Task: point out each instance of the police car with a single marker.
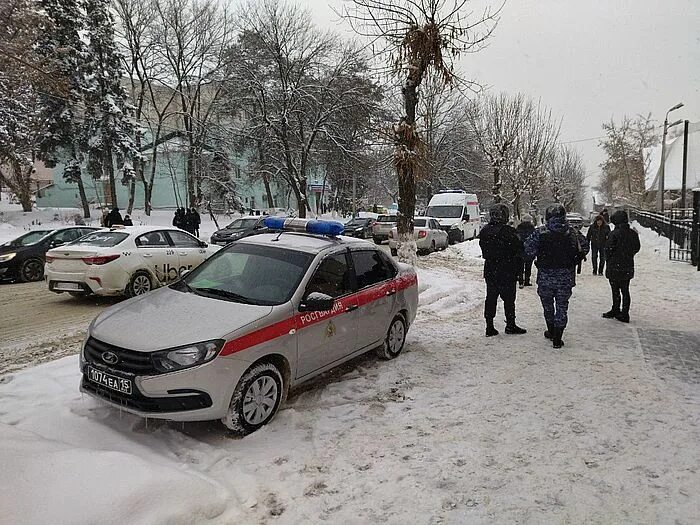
(128, 260)
(267, 312)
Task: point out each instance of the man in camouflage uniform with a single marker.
(556, 249)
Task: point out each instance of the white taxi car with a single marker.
(428, 234)
(265, 313)
(129, 260)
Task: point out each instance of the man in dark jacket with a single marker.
(622, 246)
(114, 218)
(503, 254)
(597, 236)
(196, 221)
(556, 250)
(524, 230)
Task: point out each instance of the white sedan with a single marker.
(129, 260)
(428, 234)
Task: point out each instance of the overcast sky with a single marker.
(588, 60)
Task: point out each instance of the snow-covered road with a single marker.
(459, 429)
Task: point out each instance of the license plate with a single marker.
(118, 384)
(67, 286)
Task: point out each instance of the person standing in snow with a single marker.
(503, 254)
(556, 250)
(179, 219)
(623, 244)
(196, 221)
(524, 230)
(114, 218)
(128, 221)
(597, 236)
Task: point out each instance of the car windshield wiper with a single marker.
(218, 292)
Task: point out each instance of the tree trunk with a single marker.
(109, 164)
(132, 196)
(496, 184)
(83, 198)
(147, 190)
(268, 191)
(190, 177)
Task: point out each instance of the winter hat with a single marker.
(619, 217)
(526, 218)
(498, 214)
(555, 210)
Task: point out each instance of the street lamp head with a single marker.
(679, 121)
(677, 106)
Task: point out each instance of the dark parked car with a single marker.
(243, 227)
(360, 228)
(22, 259)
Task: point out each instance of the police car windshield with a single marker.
(444, 212)
(249, 274)
(101, 239)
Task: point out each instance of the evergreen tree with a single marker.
(108, 131)
(60, 47)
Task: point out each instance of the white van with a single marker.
(457, 212)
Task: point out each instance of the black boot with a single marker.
(612, 314)
(514, 329)
(623, 317)
(556, 337)
(490, 330)
(549, 331)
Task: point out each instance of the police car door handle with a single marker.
(148, 255)
(182, 253)
(351, 308)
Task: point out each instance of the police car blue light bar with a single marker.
(331, 228)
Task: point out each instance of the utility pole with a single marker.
(685, 163)
(662, 170)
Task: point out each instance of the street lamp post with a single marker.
(662, 170)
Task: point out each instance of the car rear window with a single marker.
(420, 223)
(387, 218)
(101, 239)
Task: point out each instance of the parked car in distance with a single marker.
(428, 234)
(22, 259)
(359, 227)
(457, 212)
(130, 260)
(575, 220)
(381, 228)
(238, 229)
(276, 311)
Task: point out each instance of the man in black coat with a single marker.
(622, 246)
(597, 236)
(114, 218)
(524, 230)
(503, 254)
(196, 221)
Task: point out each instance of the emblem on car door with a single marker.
(110, 358)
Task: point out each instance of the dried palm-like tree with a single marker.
(419, 38)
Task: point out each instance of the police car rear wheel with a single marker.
(256, 399)
(140, 284)
(395, 339)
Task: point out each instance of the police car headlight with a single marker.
(186, 356)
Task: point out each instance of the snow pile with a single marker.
(652, 242)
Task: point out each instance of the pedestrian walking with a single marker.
(502, 250)
(524, 230)
(189, 221)
(620, 249)
(597, 236)
(556, 250)
(196, 221)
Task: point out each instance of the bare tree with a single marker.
(566, 175)
(300, 83)
(193, 39)
(422, 38)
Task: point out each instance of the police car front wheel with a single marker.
(256, 399)
(395, 339)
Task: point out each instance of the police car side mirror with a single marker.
(316, 302)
